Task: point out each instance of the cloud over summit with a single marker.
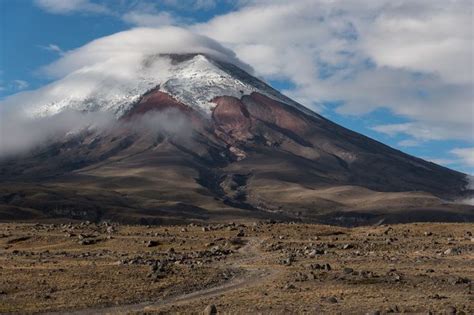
(113, 65)
(116, 69)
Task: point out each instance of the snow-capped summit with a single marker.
(194, 81)
(110, 73)
(195, 132)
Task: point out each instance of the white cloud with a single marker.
(21, 134)
(150, 19)
(148, 14)
(459, 156)
(409, 143)
(130, 47)
(113, 67)
(413, 57)
(465, 154)
(53, 48)
(422, 131)
(424, 36)
(191, 4)
(137, 13)
(71, 6)
(439, 161)
(20, 85)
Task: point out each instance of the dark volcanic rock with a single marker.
(257, 151)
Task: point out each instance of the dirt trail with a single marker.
(250, 254)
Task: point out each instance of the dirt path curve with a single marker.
(250, 254)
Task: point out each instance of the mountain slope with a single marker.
(206, 140)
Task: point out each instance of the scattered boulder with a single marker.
(458, 280)
(287, 261)
(437, 297)
(348, 270)
(289, 286)
(152, 243)
(87, 241)
(452, 251)
(313, 253)
(301, 277)
(326, 267)
(211, 309)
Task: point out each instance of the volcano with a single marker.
(209, 141)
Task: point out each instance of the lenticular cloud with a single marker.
(114, 67)
(103, 76)
(136, 43)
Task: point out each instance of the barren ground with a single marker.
(241, 268)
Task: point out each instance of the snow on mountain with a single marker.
(194, 82)
(112, 73)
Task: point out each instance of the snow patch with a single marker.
(194, 82)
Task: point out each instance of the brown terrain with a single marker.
(244, 268)
(151, 200)
(252, 157)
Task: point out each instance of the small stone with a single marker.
(387, 231)
(450, 310)
(394, 309)
(428, 233)
(347, 246)
(211, 309)
(87, 242)
(332, 299)
(458, 280)
(397, 277)
(289, 286)
(241, 233)
(451, 251)
(152, 243)
(348, 270)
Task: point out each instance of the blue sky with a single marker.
(351, 65)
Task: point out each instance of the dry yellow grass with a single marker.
(241, 268)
